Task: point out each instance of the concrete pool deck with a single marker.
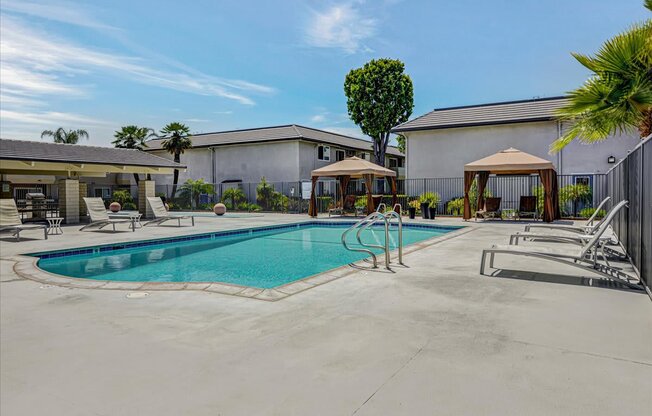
(432, 338)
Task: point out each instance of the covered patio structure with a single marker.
(352, 168)
(513, 162)
(65, 164)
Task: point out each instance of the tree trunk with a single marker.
(380, 149)
(177, 159)
(136, 178)
(646, 125)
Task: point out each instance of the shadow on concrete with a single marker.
(564, 279)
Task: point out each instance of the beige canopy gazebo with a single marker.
(344, 170)
(513, 162)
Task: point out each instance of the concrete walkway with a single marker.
(432, 338)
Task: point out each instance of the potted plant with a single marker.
(412, 208)
(432, 208)
(360, 204)
(424, 203)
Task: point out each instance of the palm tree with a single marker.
(618, 97)
(177, 140)
(191, 191)
(61, 135)
(132, 137)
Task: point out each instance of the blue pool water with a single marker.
(263, 258)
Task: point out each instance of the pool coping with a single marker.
(26, 267)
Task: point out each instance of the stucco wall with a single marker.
(247, 163)
(443, 153)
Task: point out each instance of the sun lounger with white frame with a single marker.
(162, 215)
(100, 218)
(10, 220)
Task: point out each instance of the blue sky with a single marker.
(221, 65)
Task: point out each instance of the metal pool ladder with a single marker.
(368, 221)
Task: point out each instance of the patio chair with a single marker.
(584, 257)
(10, 220)
(349, 206)
(100, 218)
(527, 207)
(589, 228)
(491, 209)
(162, 215)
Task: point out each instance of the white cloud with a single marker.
(197, 120)
(48, 118)
(318, 118)
(37, 63)
(223, 112)
(62, 12)
(342, 27)
(347, 131)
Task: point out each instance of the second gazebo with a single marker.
(513, 162)
(344, 171)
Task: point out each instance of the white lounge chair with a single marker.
(162, 215)
(100, 218)
(10, 220)
(584, 256)
(589, 228)
(560, 235)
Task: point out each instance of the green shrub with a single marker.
(232, 197)
(455, 206)
(123, 197)
(190, 191)
(430, 198)
(129, 206)
(473, 195)
(270, 199)
(587, 212)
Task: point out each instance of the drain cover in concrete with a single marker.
(137, 295)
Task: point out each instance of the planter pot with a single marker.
(412, 212)
(424, 211)
(115, 207)
(432, 211)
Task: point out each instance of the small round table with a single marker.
(54, 225)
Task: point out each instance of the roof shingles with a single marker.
(73, 153)
(486, 114)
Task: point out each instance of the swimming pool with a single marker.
(264, 257)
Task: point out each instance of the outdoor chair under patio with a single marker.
(349, 206)
(100, 218)
(10, 220)
(527, 207)
(589, 228)
(584, 257)
(491, 209)
(162, 215)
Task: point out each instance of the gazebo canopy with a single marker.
(344, 170)
(510, 161)
(353, 167)
(513, 162)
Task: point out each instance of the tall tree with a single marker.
(378, 97)
(64, 136)
(132, 137)
(618, 96)
(177, 141)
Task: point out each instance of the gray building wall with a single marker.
(443, 153)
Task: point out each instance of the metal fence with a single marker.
(631, 179)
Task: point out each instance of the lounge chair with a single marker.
(491, 209)
(527, 207)
(162, 215)
(349, 206)
(100, 218)
(574, 238)
(10, 220)
(584, 257)
(589, 228)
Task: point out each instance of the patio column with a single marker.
(69, 200)
(83, 192)
(145, 189)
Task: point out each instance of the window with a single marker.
(400, 162)
(393, 163)
(103, 192)
(339, 155)
(350, 153)
(365, 156)
(324, 153)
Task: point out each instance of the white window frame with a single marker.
(326, 153)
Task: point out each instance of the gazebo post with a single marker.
(483, 178)
(312, 208)
(368, 180)
(469, 176)
(392, 180)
